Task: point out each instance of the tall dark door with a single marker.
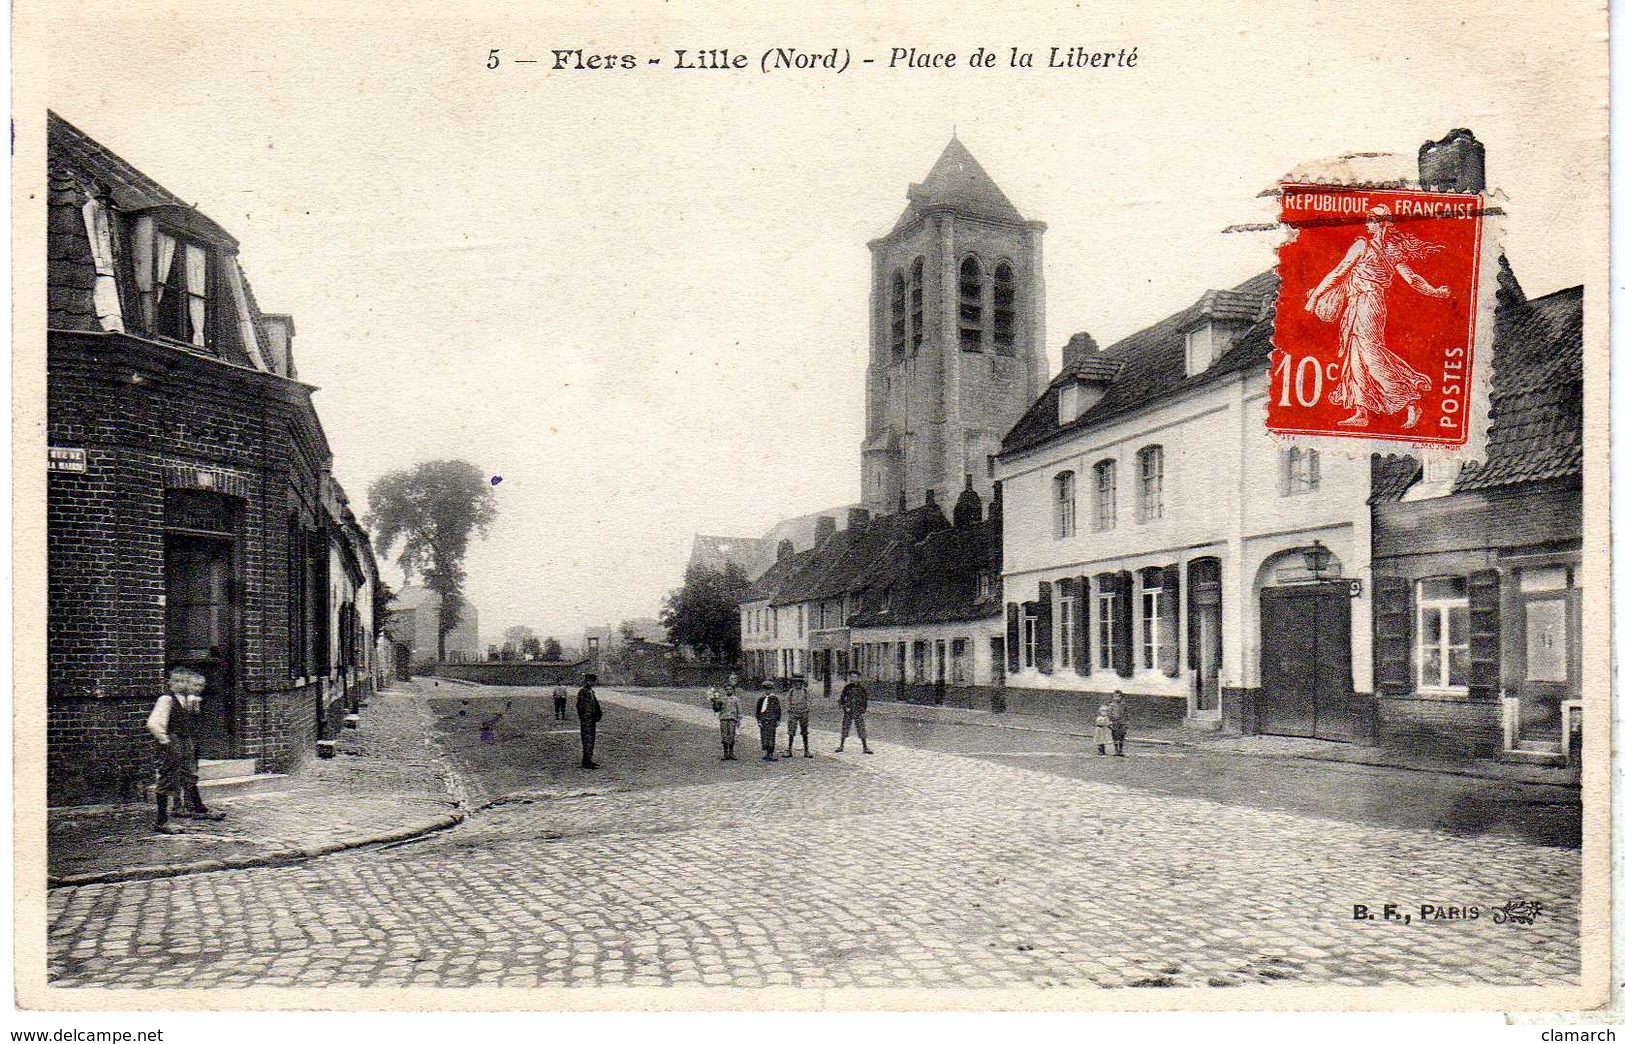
(200, 629)
(1308, 677)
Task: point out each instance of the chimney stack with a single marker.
(902, 502)
(825, 529)
(857, 519)
(995, 510)
(1079, 346)
(786, 549)
(1455, 163)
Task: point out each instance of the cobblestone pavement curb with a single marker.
(1277, 747)
(389, 783)
(909, 868)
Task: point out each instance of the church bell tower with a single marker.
(956, 336)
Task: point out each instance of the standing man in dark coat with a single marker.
(854, 705)
(768, 713)
(588, 713)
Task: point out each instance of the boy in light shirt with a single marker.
(175, 722)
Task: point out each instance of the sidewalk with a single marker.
(388, 782)
(1245, 746)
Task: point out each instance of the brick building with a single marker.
(1477, 571)
(193, 517)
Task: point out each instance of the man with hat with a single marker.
(768, 713)
(854, 705)
(588, 713)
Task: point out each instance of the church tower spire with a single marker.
(956, 334)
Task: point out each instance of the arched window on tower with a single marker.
(1004, 308)
(916, 303)
(897, 329)
(970, 305)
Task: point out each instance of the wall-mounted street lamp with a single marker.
(1317, 558)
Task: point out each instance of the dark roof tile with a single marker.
(1536, 402)
(1153, 364)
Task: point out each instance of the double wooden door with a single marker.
(1308, 676)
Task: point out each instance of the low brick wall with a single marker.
(497, 673)
(672, 675)
(1455, 728)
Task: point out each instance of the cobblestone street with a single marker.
(908, 868)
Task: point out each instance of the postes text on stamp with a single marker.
(1377, 324)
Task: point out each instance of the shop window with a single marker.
(1442, 633)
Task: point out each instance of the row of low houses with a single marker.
(192, 513)
(1147, 534)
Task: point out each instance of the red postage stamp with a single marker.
(1377, 324)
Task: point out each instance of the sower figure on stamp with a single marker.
(767, 719)
(726, 704)
(588, 714)
(798, 708)
(854, 705)
(1355, 293)
(175, 722)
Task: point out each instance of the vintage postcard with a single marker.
(929, 506)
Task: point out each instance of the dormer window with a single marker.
(1198, 349)
(1068, 404)
(970, 305)
(180, 294)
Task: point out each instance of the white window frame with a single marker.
(1066, 504)
(1105, 495)
(1106, 625)
(1066, 621)
(1149, 482)
(1150, 625)
(1302, 470)
(1029, 636)
(1442, 606)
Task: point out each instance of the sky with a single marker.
(641, 297)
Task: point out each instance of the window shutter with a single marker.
(1169, 646)
(1083, 641)
(1392, 621)
(1125, 624)
(1046, 628)
(1012, 637)
(1193, 630)
(1484, 629)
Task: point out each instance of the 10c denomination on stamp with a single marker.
(1377, 326)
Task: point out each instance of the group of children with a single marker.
(796, 706)
(1111, 723)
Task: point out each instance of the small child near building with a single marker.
(1102, 730)
(175, 722)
